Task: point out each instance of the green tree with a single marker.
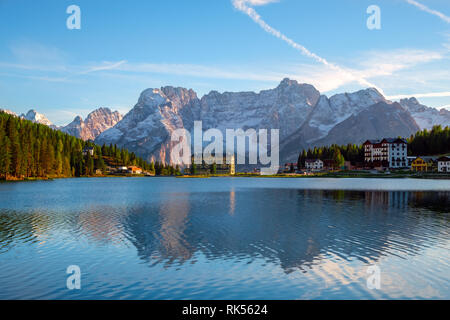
(193, 168)
(59, 158)
(5, 157)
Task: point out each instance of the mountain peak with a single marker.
(410, 101)
(96, 122)
(36, 117)
(286, 82)
(152, 97)
(426, 117)
(77, 120)
(375, 91)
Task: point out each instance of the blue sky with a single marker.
(124, 47)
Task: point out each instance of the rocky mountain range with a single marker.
(304, 117)
(426, 117)
(95, 123)
(147, 128)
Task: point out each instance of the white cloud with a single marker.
(422, 7)
(386, 63)
(40, 78)
(384, 66)
(381, 65)
(259, 2)
(421, 95)
(201, 71)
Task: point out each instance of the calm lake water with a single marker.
(225, 238)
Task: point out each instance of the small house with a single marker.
(122, 169)
(134, 170)
(290, 167)
(423, 164)
(443, 164)
(329, 165)
(88, 150)
(314, 164)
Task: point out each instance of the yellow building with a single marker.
(421, 165)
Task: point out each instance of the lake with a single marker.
(225, 238)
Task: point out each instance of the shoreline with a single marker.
(433, 176)
(334, 176)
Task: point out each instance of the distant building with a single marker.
(353, 165)
(329, 164)
(423, 164)
(134, 170)
(111, 169)
(390, 153)
(88, 150)
(122, 169)
(290, 167)
(410, 160)
(443, 164)
(207, 166)
(419, 165)
(314, 164)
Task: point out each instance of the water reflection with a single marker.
(350, 224)
(295, 230)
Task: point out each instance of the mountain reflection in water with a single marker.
(327, 235)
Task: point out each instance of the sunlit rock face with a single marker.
(95, 123)
(304, 117)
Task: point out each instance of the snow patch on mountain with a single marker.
(36, 117)
(426, 117)
(8, 112)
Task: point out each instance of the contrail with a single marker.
(107, 66)
(431, 11)
(241, 5)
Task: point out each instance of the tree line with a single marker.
(31, 150)
(424, 143)
(339, 154)
(430, 142)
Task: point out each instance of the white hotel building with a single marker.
(390, 153)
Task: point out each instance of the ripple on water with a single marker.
(222, 239)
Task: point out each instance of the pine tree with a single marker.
(5, 157)
(59, 158)
(152, 167)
